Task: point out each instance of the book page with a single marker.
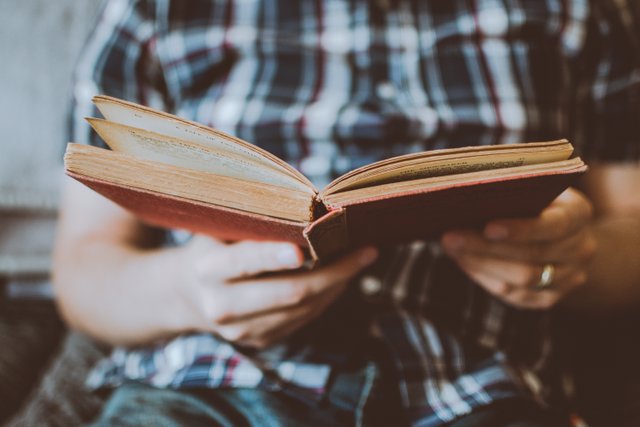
(141, 117)
(154, 147)
(450, 162)
(336, 200)
(126, 171)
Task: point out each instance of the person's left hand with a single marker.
(509, 256)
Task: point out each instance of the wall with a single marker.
(39, 44)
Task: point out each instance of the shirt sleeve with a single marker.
(610, 124)
(117, 60)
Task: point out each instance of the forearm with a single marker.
(614, 271)
(118, 294)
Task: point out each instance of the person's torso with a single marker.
(332, 85)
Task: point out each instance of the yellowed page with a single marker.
(359, 194)
(152, 146)
(141, 117)
(445, 162)
(124, 170)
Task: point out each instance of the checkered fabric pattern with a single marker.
(330, 85)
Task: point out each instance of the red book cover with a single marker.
(174, 173)
(379, 220)
(174, 212)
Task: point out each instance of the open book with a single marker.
(175, 173)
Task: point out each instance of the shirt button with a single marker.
(370, 286)
(386, 90)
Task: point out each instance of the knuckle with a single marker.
(200, 308)
(579, 279)
(260, 343)
(563, 223)
(542, 304)
(233, 334)
(227, 261)
(502, 288)
(238, 267)
(221, 317)
(279, 255)
(525, 300)
(548, 302)
(589, 248)
(530, 275)
(205, 268)
(521, 299)
(296, 293)
(534, 275)
(530, 300)
(517, 300)
(220, 314)
(543, 300)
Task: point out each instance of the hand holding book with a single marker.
(175, 173)
(231, 297)
(510, 256)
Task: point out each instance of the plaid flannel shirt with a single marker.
(330, 85)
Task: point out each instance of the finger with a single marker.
(247, 258)
(497, 287)
(252, 297)
(200, 243)
(515, 273)
(519, 298)
(250, 331)
(577, 248)
(342, 269)
(563, 217)
(532, 300)
(266, 328)
(522, 296)
(292, 325)
(547, 298)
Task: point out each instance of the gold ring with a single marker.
(546, 277)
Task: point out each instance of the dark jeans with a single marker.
(354, 399)
(59, 398)
(31, 333)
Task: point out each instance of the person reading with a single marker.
(452, 331)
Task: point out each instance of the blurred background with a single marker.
(39, 43)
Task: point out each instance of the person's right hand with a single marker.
(226, 298)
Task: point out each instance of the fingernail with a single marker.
(368, 255)
(288, 256)
(496, 232)
(453, 241)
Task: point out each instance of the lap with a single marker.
(60, 398)
(353, 398)
(140, 405)
(360, 396)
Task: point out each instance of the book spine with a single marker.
(318, 208)
(328, 235)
